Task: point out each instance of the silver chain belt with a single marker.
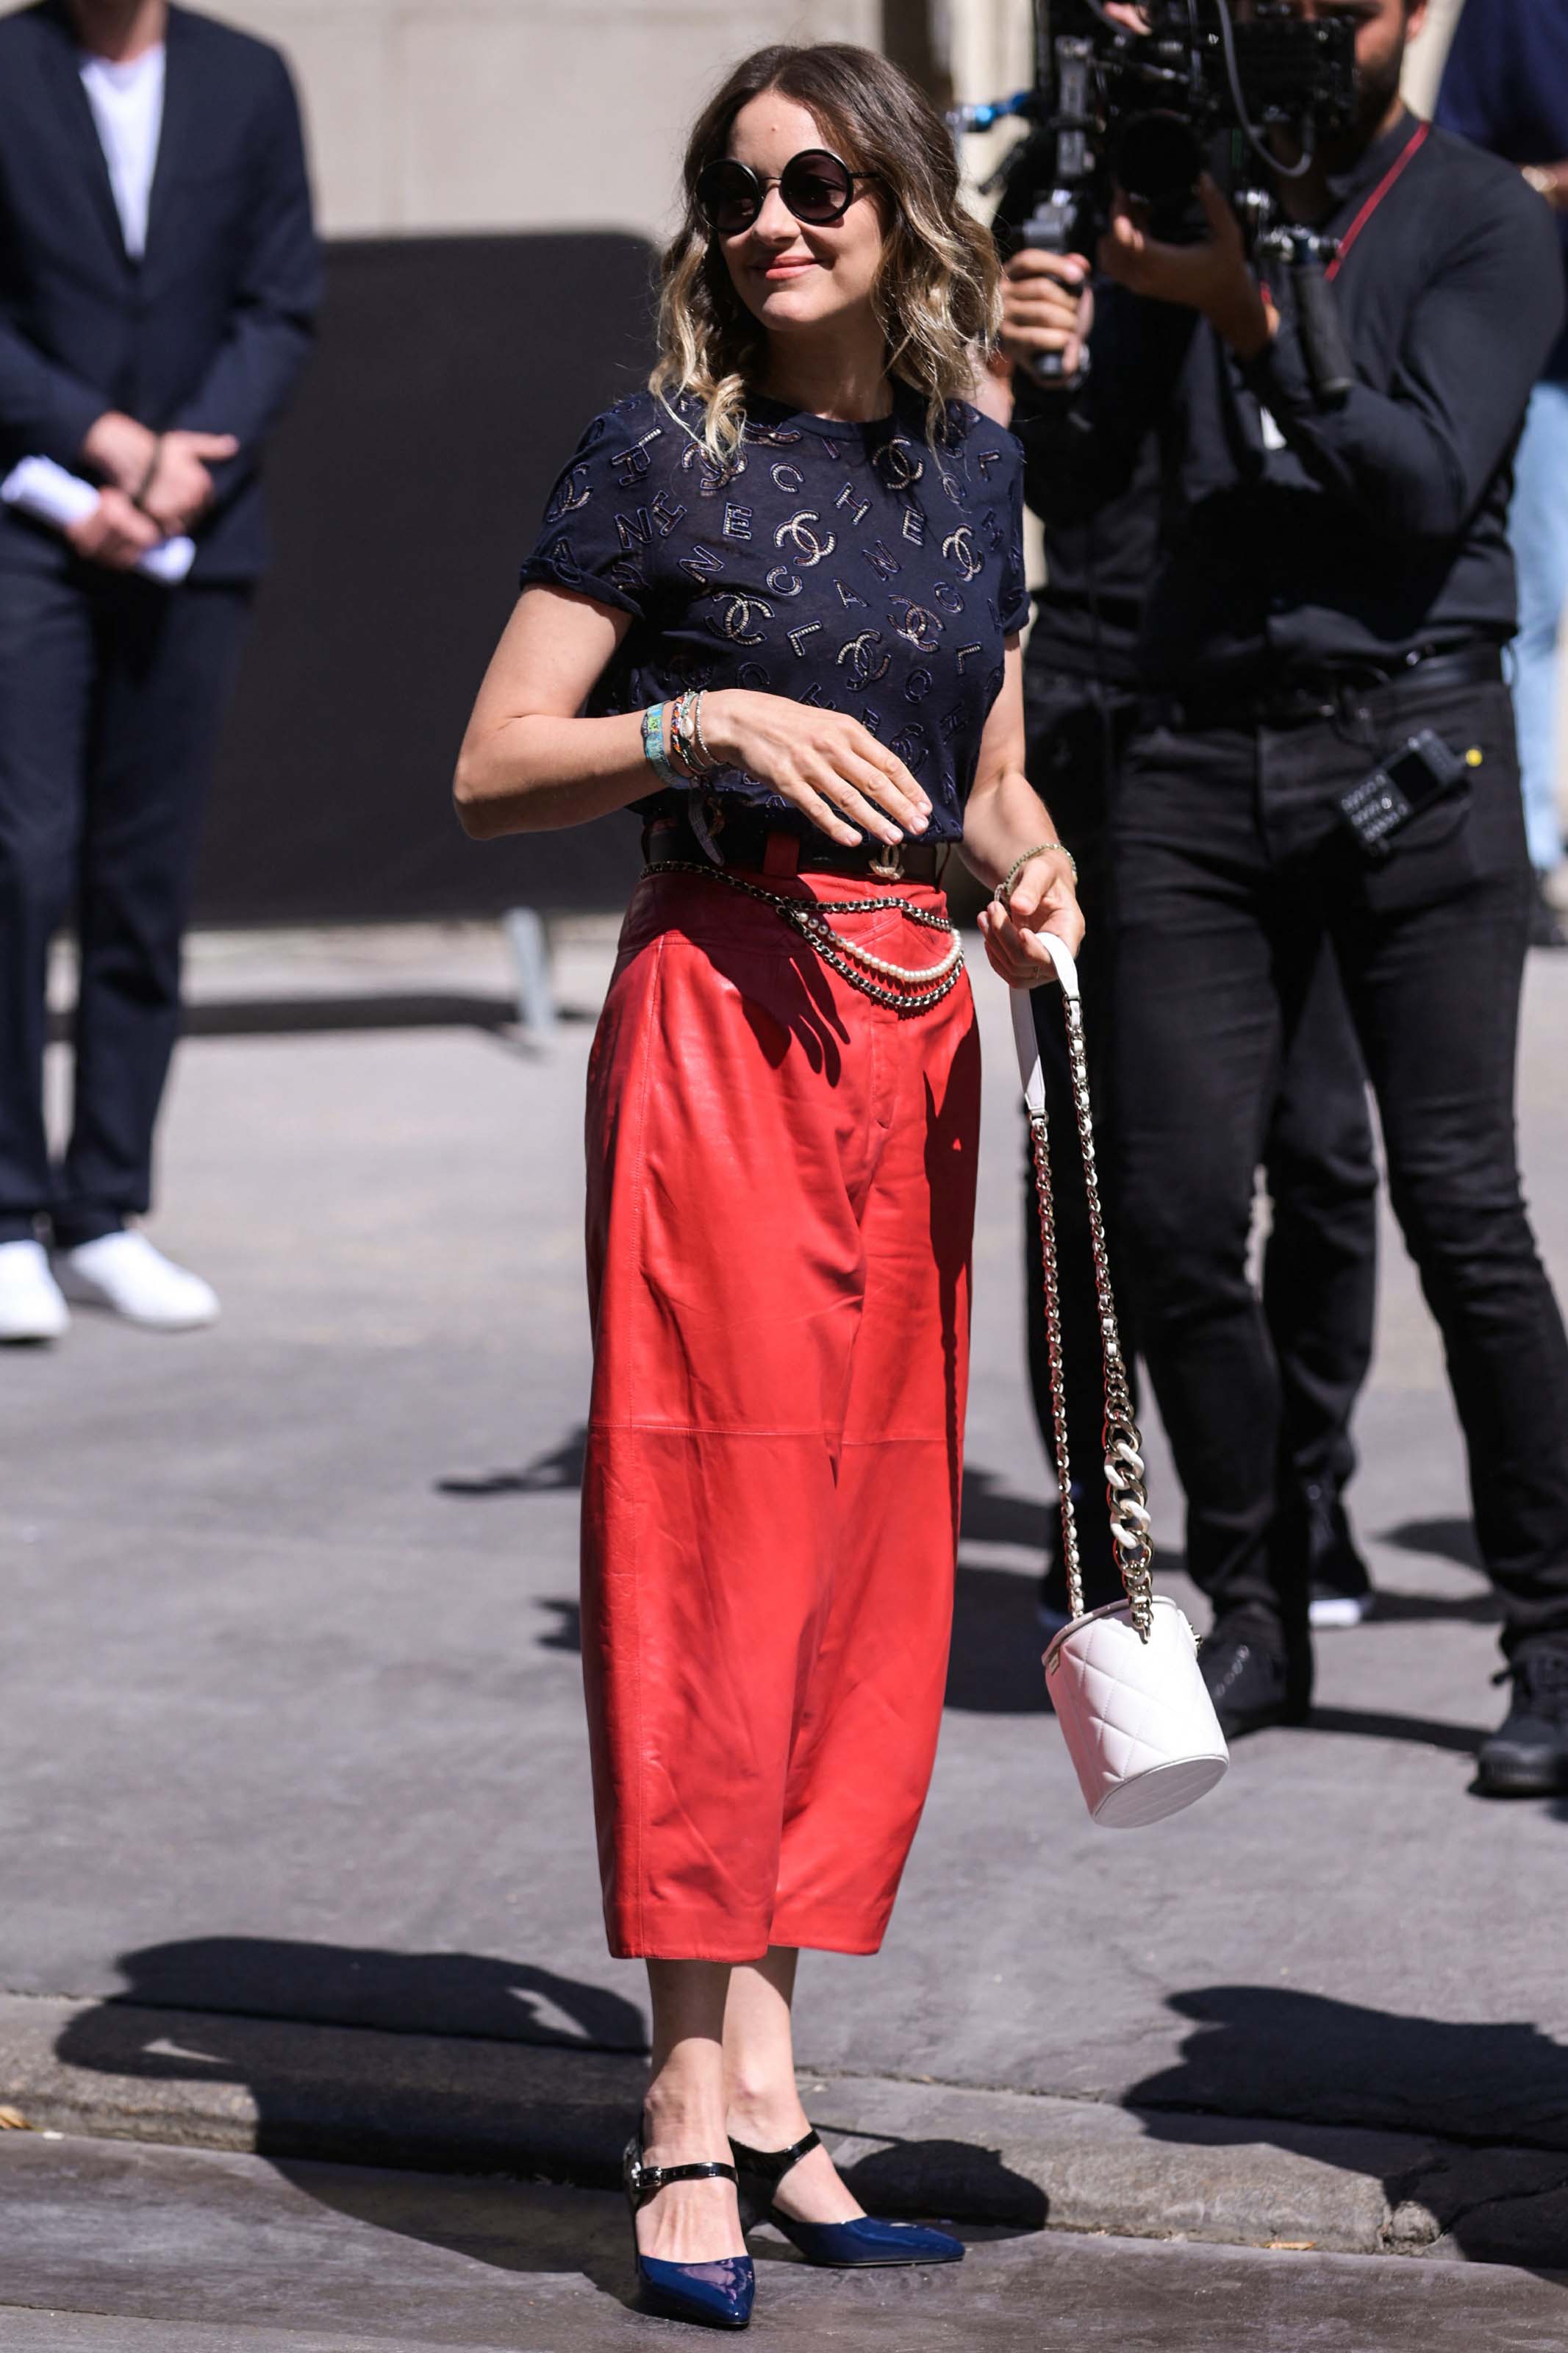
(917, 989)
(1126, 1486)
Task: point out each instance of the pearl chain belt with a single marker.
(916, 988)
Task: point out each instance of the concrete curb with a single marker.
(278, 2087)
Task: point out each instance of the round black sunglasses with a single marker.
(816, 186)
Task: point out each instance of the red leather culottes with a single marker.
(781, 1203)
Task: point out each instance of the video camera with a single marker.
(1142, 111)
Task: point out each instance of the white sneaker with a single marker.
(124, 1271)
(32, 1305)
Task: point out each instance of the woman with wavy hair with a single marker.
(774, 608)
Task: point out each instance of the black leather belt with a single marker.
(1323, 696)
(757, 841)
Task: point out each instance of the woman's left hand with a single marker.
(1041, 900)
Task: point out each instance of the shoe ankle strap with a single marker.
(645, 2182)
(772, 2165)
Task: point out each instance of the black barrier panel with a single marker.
(452, 379)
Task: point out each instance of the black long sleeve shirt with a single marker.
(1380, 524)
(1088, 612)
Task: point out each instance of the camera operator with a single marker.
(1319, 1270)
(1334, 580)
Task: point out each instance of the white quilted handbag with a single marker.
(1134, 1707)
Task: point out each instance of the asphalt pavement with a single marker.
(294, 1817)
(118, 2250)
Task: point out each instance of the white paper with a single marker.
(39, 488)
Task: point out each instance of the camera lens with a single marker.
(1157, 159)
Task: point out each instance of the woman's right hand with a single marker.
(823, 763)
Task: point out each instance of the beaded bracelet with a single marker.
(1016, 868)
(654, 752)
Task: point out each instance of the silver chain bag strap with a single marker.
(1124, 1681)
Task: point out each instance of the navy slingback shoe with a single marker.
(846, 2246)
(715, 2295)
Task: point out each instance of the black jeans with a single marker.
(112, 688)
(1319, 1287)
(1233, 869)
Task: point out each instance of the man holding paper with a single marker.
(159, 276)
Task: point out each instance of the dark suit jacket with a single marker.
(210, 329)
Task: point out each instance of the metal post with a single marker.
(529, 943)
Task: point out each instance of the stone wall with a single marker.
(431, 115)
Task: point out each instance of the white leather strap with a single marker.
(1028, 1045)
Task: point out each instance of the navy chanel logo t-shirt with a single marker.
(854, 567)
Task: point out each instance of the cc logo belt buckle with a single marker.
(888, 863)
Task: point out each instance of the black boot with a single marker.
(1338, 1579)
(1527, 1755)
(1255, 1675)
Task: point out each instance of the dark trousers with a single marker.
(1319, 1281)
(1233, 871)
(112, 688)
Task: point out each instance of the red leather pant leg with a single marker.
(766, 1154)
(866, 1732)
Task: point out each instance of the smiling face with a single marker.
(797, 279)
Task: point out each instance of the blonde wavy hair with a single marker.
(937, 293)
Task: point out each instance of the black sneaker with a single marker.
(1250, 1679)
(1527, 1755)
(1340, 1585)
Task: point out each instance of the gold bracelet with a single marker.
(1016, 868)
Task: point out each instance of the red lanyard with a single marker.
(1417, 138)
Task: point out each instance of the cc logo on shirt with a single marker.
(864, 670)
(897, 465)
(572, 491)
(958, 548)
(798, 534)
(920, 627)
(736, 619)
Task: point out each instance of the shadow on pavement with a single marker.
(1262, 2057)
(994, 1667)
(513, 2226)
(989, 1513)
(1424, 1609)
(1375, 1723)
(342, 1985)
(1448, 1539)
(559, 1471)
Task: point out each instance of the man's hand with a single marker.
(1046, 306)
(115, 533)
(181, 487)
(1210, 277)
(119, 449)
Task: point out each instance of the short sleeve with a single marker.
(1013, 601)
(588, 541)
